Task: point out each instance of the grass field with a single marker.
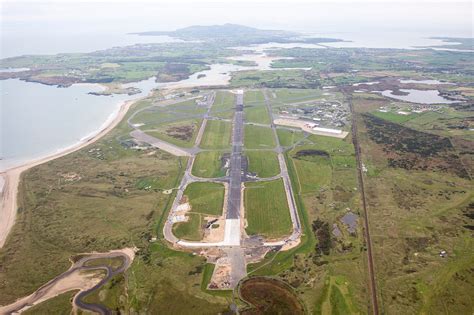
(337, 298)
(313, 175)
(187, 106)
(394, 117)
(109, 294)
(289, 137)
(254, 98)
(296, 95)
(257, 114)
(224, 100)
(153, 116)
(205, 198)
(156, 116)
(256, 137)
(318, 171)
(263, 163)
(273, 78)
(61, 305)
(190, 230)
(181, 133)
(224, 104)
(216, 135)
(266, 209)
(208, 164)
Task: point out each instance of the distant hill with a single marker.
(234, 34)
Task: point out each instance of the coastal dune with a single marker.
(11, 177)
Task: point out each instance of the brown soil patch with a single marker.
(269, 296)
(184, 133)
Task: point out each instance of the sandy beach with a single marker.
(11, 177)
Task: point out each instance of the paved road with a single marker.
(296, 234)
(235, 165)
(77, 266)
(160, 144)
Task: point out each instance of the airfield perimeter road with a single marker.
(296, 234)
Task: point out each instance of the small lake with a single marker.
(419, 96)
(39, 120)
(350, 219)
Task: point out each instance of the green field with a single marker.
(336, 298)
(257, 114)
(316, 172)
(61, 305)
(256, 137)
(190, 230)
(333, 145)
(254, 98)
(394, 117)
(266, 209)
(181, 133)
(224, 101)
(187, 107)
(263, 163)
(296, 95)
(208, 164)
(224, 104)
(154, 116)
(216, 135)
(289, 137)
(205, 198)
(274, 78)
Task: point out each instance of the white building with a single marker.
(327, 130)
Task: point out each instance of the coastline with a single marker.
(12, 176)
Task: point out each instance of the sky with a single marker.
(38, 26)
(314, 15)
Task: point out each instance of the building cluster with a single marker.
(402, 109)
(325, 114)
